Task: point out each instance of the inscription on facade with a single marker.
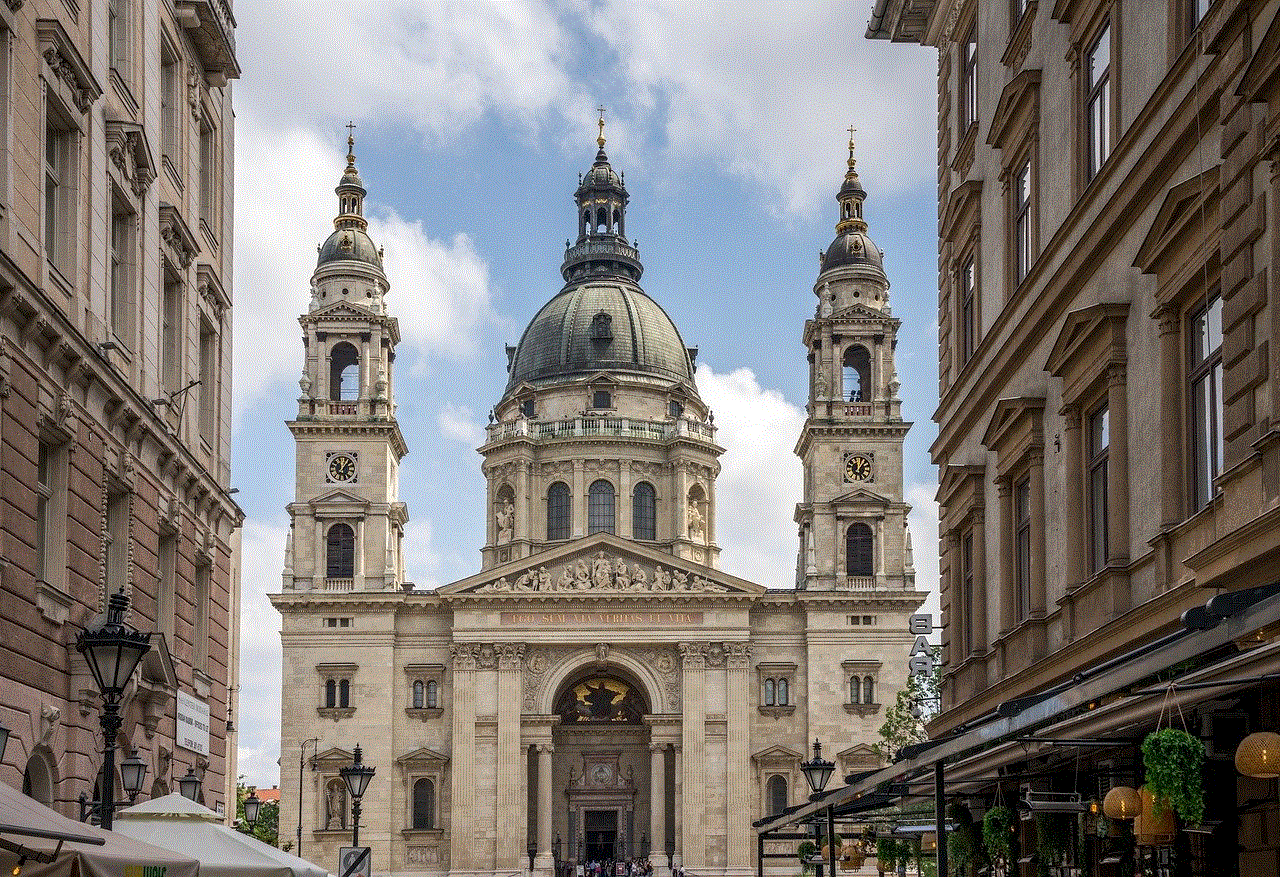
(570, 619)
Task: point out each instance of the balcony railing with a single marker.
(339, 584)
(860, 583)
(613, 427)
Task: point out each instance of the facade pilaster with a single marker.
(462, 814)
(657, 807)
(544, 861)
(677, 818)
(510, 812)
(1171, 469)
(1073, 516)
(737, 768)
(693, 741)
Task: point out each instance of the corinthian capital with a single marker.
(464, 655)
(694, 655)
(510, 656)
(739, 655)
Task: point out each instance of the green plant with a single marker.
(806, 851)
(1174, 762)
(964, 841)
(888, 852)
(1052, 838)
(997, 833)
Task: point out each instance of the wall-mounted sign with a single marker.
(921, 657)
(193, 724)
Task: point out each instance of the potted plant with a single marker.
(888, 852)
(997, 835)
(1052, 830)
(964, 841)
(1174, 761)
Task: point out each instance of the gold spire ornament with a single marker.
(852, 161)
(351, 144)
(600, 139)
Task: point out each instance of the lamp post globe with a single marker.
(252, 809)
(817, 771)
(189, 785)
(112, 648)
(357, 776)
(133, 773)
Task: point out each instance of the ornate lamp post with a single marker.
(357, 776)
(112, 648)
(817, 771)
(252, 809)
(189, 785)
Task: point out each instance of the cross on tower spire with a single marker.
(351, 143)
(600, 139)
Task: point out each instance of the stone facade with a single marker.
(600, 687)
(115, 381)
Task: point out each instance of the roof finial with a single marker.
(852, 160)
(351, 144)
(600, 139)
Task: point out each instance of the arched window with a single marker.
(782, 692)
(857, 374)
(38, 777)
(868, 690)
(558, 511)
(344, 693)
(418, 692)
(857, 551)
(330, 693)
(424, 804)
(644, 503)
(340, 552)
(344, 372)
(433, 694)
(335, 804)
(770, 695)
(601, 515)
(777, 794)
(602, 220)
(855, 690)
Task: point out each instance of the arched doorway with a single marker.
(602, 766)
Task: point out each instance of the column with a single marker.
(1073, 516)
(681, 504)
(1171, 459)
(512, 821)
(462, 814)
(693, 742)
(978, 617)
(1037, 642)
(657, 808)
(677, 803)
(1118, 486)
(624, 499)
(544, 860)
(578, 503)
(524, 502)
(319, 558)
(737, 767)
(1008, 599)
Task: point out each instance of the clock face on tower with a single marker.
(857, 467)
(342, 467)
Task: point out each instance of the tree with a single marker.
(916, 705)
(267, 827)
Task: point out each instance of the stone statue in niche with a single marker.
(506, 517)
(696, 520)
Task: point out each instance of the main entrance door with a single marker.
(601, 828)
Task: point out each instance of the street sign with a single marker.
(354, 862)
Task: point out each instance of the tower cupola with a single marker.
(602, 249)
(350, 239)
(852, 246)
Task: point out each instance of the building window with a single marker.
(868, 689)
(967, 606)
(44, 493)
(170, 111)
(968, 309)
(424, 804)
(165, 598)
(208, 382)
(171, 335)
(119, 37)
(527, 408)
(208, 175)
(675, 410)
(776, 681)
(858, 551)
(777, 794)
(419, 694)
(122, 311)
(1097, 100)
(1022, 546)
(600, 508)
(601, 399)
(1099, 451)
(776, 692)
(201, 597)
(59, 188)
(558, 509)
(117, 539)
(1018, 9)
(344, 372)
(337, 693)
(340, 552)
(644, 503)
(857, 374)
(770, 693)
(968, 90)
(855, 689)
(1022, 238)
(784, 696)
(1204, 379)
(433, 694)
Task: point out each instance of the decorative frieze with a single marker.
(603, 572)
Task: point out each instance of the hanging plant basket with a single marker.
(997, 834)
(1174, 763)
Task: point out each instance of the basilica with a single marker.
(599, 688)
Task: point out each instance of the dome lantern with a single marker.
(350, 241)
(852, 246)
(602, 249)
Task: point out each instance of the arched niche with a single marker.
(584, 664)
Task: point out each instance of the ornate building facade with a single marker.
(599, 688)
(116, 145)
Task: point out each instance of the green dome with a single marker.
(349, 244)
(600, 325)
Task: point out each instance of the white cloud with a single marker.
(459, 422)
(760, 478)
(924, 539)
(262, 559)
(423, 560)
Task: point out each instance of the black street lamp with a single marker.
(252, 809)
(357, 776)
(533, 853)
(817, 771)
(555, 846)
(302, 752)
(112, 648)
(189, 785)
(133, 773)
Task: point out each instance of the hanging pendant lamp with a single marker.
(1258, 755)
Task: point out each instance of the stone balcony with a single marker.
(603, 426)
(212, 29)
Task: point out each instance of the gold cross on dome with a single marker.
(600, 139)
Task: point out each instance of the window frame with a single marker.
(861, 680)
(335, 681)
(1098, 92)
(339, 555)
(602, 504)
(1098, 453)
(967, 84)
(431, 678)
(967, 280)
(782, 675)
(1021, 538)
(61, 169)
(559, 511)
(644, 512)
(1204, 464)
(1022, 224)
(866, 546)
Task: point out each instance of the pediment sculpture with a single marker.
(602, 572)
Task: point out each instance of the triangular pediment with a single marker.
(334, 755)
(422, 756)
(601, 564)
(777, 755)
(338, 496)
(1185, 207)
(858, 311)
(861, 496)
(341, 310)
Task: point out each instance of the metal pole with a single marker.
(817, 839)
(940, 816)
(355, 822)
(302, 752)
(831, 840)
(110, 728)
(759, 855)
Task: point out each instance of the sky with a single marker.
(473, 121)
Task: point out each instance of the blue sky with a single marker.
(473, 123)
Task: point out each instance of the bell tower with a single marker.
(347, 522)
(852, 522)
